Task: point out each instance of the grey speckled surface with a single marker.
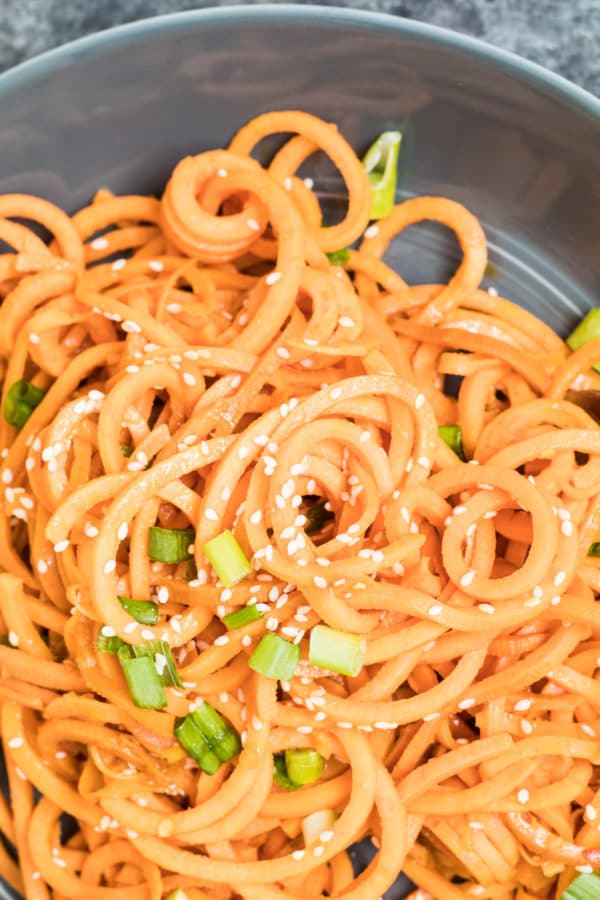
(563, 35)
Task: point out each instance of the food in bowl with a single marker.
(295, 553)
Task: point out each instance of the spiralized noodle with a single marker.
(250, 377)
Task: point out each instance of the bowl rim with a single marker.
(519, 67)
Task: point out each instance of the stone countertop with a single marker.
(563, 35)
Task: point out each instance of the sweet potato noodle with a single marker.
(205, 365)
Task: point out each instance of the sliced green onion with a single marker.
(105, 644)
(243, 616)
(315, 824)
(317, 516)
(381, 165)
(162, 658)
(452, 435)
(170, 545)
(195, 746)
(275, 657)
(585, 887)
(304, 765)
(587, 330)
(127, 450)
(338, 651)
(339, 257)
(21, 400)
(143, 611)
(227, 558)
(142, 679)
(280, 775)
(208, 738)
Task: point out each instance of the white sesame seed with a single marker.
(273, 278)
(155, 265)
(346, 322)
(90, 530)
(147, 634)
(424, 462)
(61, 546)
(211, 515)
(16, 742)
(13, 639)
(335, 393)
(372, 231)
(319, 581)
(467, 703)
(42, 566)
(118, 265)
(435, 610)
(130, 627)
(522, 705)
(431, 717)
(34, 338)
(109, 566)
(122, 531)
(298, 854)
(7, 476)
(419, 401)
(487, 608)
(526, 727)
(107, 631)
(246, 640)
(559, 578)
(189, 379)
(221, 640)
(253, 225)
(523, 795)
(591, 813)
(587, 729)
(567, 528)
(131, 327)
(318, 850)
(467, 578)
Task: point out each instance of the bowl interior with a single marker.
(515, 144)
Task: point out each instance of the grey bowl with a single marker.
(518, 145)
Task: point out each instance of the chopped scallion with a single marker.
(160, 653)
(280, 775)
(452, 435)
(584, 887)
(21, 400)
(381, 164)
(274, 657)
(227, 558)
(243, 616)
(208, 738)
(338, 257)
(142, 679)
(304, 765)
(105, 644)
(587, 330)
(338, 651)
(143, 611)
(170, 545)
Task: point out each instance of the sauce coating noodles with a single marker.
(203, 364)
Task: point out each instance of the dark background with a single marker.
(563, 35)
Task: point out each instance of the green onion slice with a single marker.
(208, 738)
(274, 657)
(227, 558)
(338, 651)
(304, 765)
(170, 545)
(143, 611)
(21, 400)
(142, 679)
(585, 887)
(587, 330)
(280, 775)
(243, 616)
(381, 164)
(338, 257)
(160, 654)
(106, 644)
(452, 435)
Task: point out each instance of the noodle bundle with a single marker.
(200, 371)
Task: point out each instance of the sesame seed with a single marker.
(118, 265)
(246, 640)
(122, 531)
(487, 608)
(253, 225)
(155, 265)
(523, 795)
(61, 546)
(147, 634)
(346, 322)
(7, 476)
(526, 727)
(591, 813)
(567, 528)
(522, 705)
(211, 515)
(477, 826)
(90, 530)
(424, 462)
(42, 566)
(419, 401)
(555, 601)
(467, 703)
(189, 379)
(34, 338)
(107, 631)
(587, 729)
(109, 566)
(130, 627)
(385, 726)
(273, 278)
(298, 854)
(435, 610)
(16, 742)
(318, 850)
(431, 717)
(131, 327)
(335, 393)
(559, 578)
(319, 581)
(468, 578)
(372, 231)
(221, 640)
